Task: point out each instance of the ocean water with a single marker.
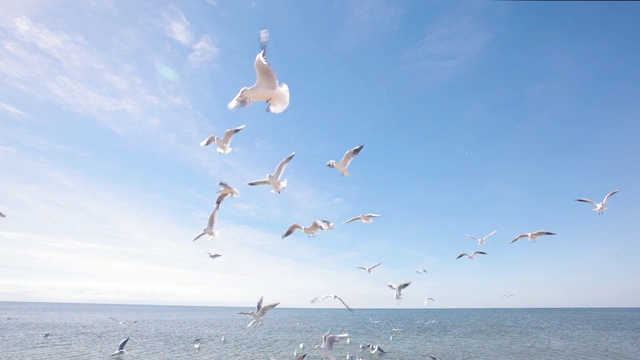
(86, 331)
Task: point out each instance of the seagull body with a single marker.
(482, 239)
(429, 298)
(274, 179)
(331, 296)
(310, 230)
(121, 350)
(365, 218)
(224, 143)
(346, 159)
(327, 344)
(226, 189)
(213, 256)
(398, 290)
(599, 207)
(259, 312)
(266, 87)
(209, 229)
(532, 235)
(369, 269)
(472, 256)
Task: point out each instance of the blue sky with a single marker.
(474, 116)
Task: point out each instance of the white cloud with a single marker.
(203, 52)
(178, 28)
(12, 110)
(371, 16)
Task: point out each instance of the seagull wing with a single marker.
(473, 237)
(225, 185)
(282, 165)
(267, 308)
(229, 134)
(479, 252)
(212, 217)
(317, 225)
(518, 238)
(355, 218)
(265, 77)
(587, 201)
(259, 182)
(609, 195)
(220, 198)
(301, 357)
(543, 232)
(489, 234)
(375, 266)
(320, 298)
(344, 303)
(349, 155)
(461, 255)
(239, 101)
(363, 268)
(404, 285)
(391, 286)
(259, 305)
(207, 141)
(291, 229)
(198, 236)
(122, 344)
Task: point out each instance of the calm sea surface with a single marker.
(86, 331)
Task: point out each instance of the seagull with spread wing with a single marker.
(209, 229)
(121, 350)
(274, 179)
(331, 296)
(472, 256)
(224, 143)
(365, 218)
(532, 235)
(327, 344)
(482, 239)
(259, 312)
(599, 207)
(266, 87)
(310, 230)
(346, 159)
(369, 269)
(398, 290)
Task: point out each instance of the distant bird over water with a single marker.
(259, 312)
(369, 269)
(224, 143)
(214, 256)
(327, 344)
(266, 87)
(331, 296)
(398, 290)
(599, 207)
(346, 159)
(121, 350)
(472, 256)
(209, 229)
(365, 218)
(274, 179)
(482, 239)
(532, 235)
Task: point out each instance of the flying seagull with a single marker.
(214, 256)
(224, 143)
(225, 191)
(259, 312)
(374, 321)
(421, 271)
(274, 179)
(369, 269)
(532, 235)
(429, 298)
(599, 207)
(330, 296)
(376, 349)
(266, 87)
(209, 229)
(327, 344)
(398, 290)
(482, 239)
(310, 230)
(365, 218)
(121, 350)
(507, 296)
(393, 328)
(472, 256)
(346, 159)
(2, 215)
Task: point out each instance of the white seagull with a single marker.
(259, 312)
(369, 269)
(266, 87)
(365, 218)
(376, 349)
(121, 350)
(532, 235)
(398, 290)
(226, 189)
(472, 256)
(346, 159)
(374, 321)
(599, 207)
(213, 256)
(429, 298)
(310, 230)
(327, 344)
(393, 328)
(209, 229)
(274, 179)
(331, 296)
(224, 143)
(421, 271)
(482, 239)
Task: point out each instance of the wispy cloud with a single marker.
(203, 52)
(12, 110)
(456, 37)
(178, 28)
(371, 16)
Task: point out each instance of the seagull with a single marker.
(224, 143)
(393, 328)
(599, 207)
(259, 313)
(421, 271)
(366, 218)
(507, 296)
(222, 339)
(398, 289)
(274, 179)
(482, 239)
(327, 344)
(376, 349)
(266, 87)
(429, 298)
(346, 159)
(472, 256)
(213, 256)
(47, 334)
(226, 189)
(369, 269)
(196, 344)
(431, 357)
(121, 350)
(310, 230)
(331, 296)
(532, 235)
(374, 321)
(2, 215)
(209, 229)
(328, 225)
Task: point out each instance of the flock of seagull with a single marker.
(276, 95)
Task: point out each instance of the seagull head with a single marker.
(331, 163)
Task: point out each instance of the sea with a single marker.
(93, 331)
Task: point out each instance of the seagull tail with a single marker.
(283, 183)
(215, 235)
(280, 101)
(224, 151)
